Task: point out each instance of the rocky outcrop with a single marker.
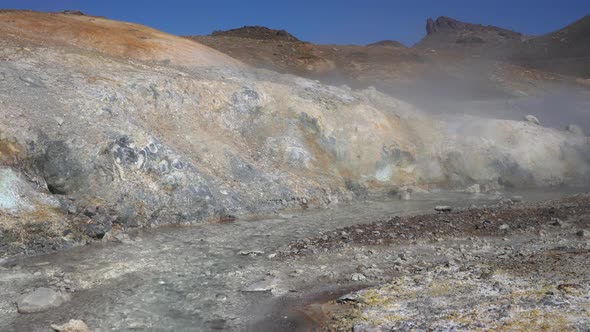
(450, 34)
(258, 32)
(563, 51)
(445, 24)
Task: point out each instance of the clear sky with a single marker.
(325, 21)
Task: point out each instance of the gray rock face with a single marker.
(41, 299)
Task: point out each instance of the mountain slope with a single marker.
(566, 50)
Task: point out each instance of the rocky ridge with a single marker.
(258, 32)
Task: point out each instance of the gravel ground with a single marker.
(514, 267)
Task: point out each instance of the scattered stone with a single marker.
(443, 208)
(60, 121)
(72, 209)
(348, 298)
(250, 253)
(74, 325)
(123, 238)
(516, 198)
(357, 277)
(504, 227)
(475, 189)
(261, 286)
(296, 273)
(532, 119)
(41, 299)
(583, 233)
(556, 222)
(506, 201)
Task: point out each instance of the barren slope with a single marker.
(111, 38)
(400, 70)
(566, 50)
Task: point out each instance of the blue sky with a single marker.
(325, 21)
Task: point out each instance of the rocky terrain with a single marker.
(500, 260)
(510, 268)
(110, 128)
(497, 59)
(386, 64)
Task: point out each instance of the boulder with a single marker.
(41, 299)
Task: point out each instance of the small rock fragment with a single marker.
(74, 325)
(443, 208)
(261, 286)
(349, 298)
(556, 222)
(583, 233)
(60, 121)
(250, 252)
(357, 277)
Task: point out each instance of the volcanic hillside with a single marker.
(110, 125)
(110, 38)
(566, 50)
